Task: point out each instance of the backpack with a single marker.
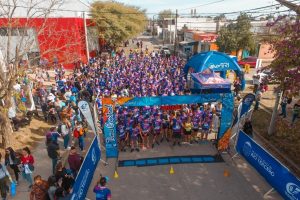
(289, 101)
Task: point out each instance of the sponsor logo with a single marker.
(84, 107)
(251, 154)
(219, 66)
(292, 191)
(247, 149)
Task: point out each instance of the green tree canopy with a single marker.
(236, 35)
(117, 22)
(165, 14)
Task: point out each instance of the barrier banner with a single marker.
(278, 176)
(110, 132)
(86, 172)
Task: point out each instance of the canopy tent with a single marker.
(216, 61)
(209, 80)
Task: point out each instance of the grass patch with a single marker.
(286, 138)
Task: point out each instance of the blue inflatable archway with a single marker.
(216, 61)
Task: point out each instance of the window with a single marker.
(23, 31)
(3, 31)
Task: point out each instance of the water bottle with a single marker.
(13, 189)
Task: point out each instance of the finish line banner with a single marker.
(86, 172)
(110, 130)
(278, 176)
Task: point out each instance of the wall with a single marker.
(62, 38)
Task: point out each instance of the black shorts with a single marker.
(177, 135)
(165, 126)
(187, 132)
(195, 129)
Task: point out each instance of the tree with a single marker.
(165, 14)
(286, 47)
(117, 22)
(221, 17)
(290, 5)
(236, 36)
(18, 38)
(286, 65)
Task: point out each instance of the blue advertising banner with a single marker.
(86, 173)
(278, 176)
(110, 134)
(246, 103)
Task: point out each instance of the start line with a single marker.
(144, 162)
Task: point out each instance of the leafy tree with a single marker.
(237, 35)
(286, 65)
(117, 22)
(165, 14)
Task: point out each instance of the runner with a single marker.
(176, 127)
(157, 127)
(165, 126)
(135, 133)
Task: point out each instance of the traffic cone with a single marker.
(172, 170)
(226, 173)
(116, 175)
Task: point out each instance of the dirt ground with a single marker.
(29, 135)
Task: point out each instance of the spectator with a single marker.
(60, 171)
(27, 161)
(59, 193)
(12, 160)
(283, 104)
(3, 183)
(68, 180)
(257, 99)
(296, 111)
(39, 189)
(247, 128)
(79, 134)
(256, 82)
(52, 187)
(237, 87)
(52, 135)
(74, 161)
(53, 153)
(102, 192)
(65, 132)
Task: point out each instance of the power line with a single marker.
(203, 4)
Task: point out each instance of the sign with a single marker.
(246, 104)
(86, 172)
(85, 110)
(217, 67)
(278, 176)
(176, 107)
(110, 132)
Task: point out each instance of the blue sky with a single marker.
(154, 6)
(216, 6)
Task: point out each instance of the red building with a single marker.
(57, 39)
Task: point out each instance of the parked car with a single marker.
(250, 60)
(165, 51)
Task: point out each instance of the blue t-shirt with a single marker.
(102, 193)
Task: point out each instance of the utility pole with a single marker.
(175, 41)
(170, 30)
(86, 38)
(153, 26)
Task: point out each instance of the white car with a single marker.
(165, 50)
